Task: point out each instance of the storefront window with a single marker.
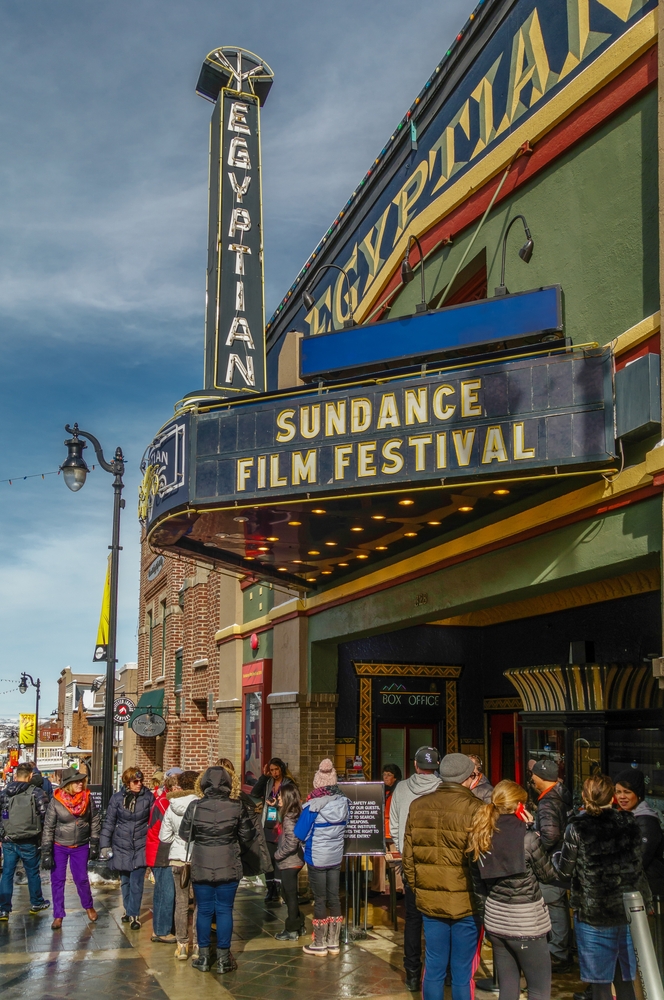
(540, 744)
(253, 710)
(642, 749)
(587, 758)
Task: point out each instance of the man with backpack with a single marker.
(22, 810)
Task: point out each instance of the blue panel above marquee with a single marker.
(412, 339)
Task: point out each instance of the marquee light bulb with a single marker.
(406, 503)
(465, 508)
(294, 524)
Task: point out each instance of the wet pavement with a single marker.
(108, 960)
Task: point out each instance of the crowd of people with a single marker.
(473, 860)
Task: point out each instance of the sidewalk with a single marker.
(107, 961)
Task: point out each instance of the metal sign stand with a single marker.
(356, 873)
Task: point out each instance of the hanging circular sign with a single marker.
(148, 725)
(122, 709)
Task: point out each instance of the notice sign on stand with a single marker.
(365, 833)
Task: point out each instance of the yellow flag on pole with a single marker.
(101, 646)
(26, 729)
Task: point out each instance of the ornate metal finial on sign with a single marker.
(235, 69)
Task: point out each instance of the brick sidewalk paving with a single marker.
(108, 961)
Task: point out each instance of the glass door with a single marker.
(399, 744)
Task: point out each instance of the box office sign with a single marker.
(484, 421)
(410, 699)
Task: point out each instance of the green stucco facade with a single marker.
(593, 216)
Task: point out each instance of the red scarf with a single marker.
(77, 803)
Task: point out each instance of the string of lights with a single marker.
(35, 475)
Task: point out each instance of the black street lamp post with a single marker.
(75, 471)
(23, 687)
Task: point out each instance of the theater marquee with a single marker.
(475, 423)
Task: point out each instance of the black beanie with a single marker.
(634, 780)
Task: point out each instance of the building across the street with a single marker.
(439, 520)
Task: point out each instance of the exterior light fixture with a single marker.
(74, 467)
(309, 301)
(272, 538)
(282, 569)
(362, 556)
(381, 548)
(294, 524)
(342, 564)
(326, 572)
(357, 528)
(464, 508)
(313, 552)
(75, 471)
(330, 543)
(406, 503)
(263, 548)
(317, 510)
(410, 534)
(501, 493)
(407, 273)
(433, 522)
(297, 562)
(23, 687)
(525, 253)
(377, 517)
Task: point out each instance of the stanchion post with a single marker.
(646, 960)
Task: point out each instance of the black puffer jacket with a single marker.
(602, 857)
(219, 827)
(125, 830)
(551, 819)
(523, 887)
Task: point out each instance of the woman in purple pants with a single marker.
(71, 835)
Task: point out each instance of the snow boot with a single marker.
(225, 961)
(202, 961)
(334, 934)
(318, 944)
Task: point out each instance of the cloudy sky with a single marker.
(103, 201)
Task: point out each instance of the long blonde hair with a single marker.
(235, 780)
(504, 800)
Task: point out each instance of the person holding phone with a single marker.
(508, 866)
(275, 776)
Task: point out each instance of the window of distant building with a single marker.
(150, 640)
(163, 638)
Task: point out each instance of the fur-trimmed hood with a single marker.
(179, 805)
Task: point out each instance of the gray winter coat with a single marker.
(289, 852)
(483, 790)
(62, 827)
(125, 831)
(405, 793)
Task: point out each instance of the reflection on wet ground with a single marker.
(108, 960)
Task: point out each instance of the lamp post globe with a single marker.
(74, 468)
(23, 687)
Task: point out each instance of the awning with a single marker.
(149, 699)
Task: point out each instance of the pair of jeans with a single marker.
(131, 884)
(77, 859)
(215, 899)
(555, 897)
(602, 949)
(163, 901)
(512, 956)
(412, 933)
(30, 856)
(324, 884)
(182, 908)
(295, 919)
(455, 943)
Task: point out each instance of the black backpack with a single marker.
(23, 821)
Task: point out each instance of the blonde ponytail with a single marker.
(504, 800)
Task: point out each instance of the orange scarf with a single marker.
(77, 803)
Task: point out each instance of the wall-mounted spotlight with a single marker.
(525, 253)
(407, 273)
(309, 301)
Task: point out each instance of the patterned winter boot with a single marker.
(334, 934)
(318, 944)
